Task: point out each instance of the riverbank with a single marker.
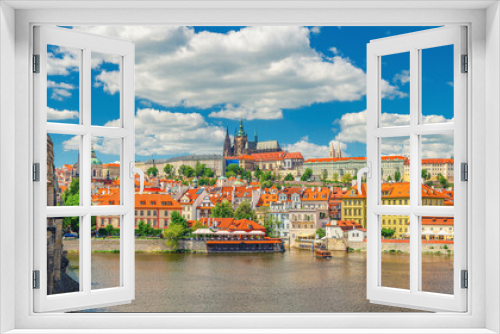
(158, 246)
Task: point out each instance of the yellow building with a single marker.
(399, 194)
(353, 205)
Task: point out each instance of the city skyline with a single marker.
(189, 112)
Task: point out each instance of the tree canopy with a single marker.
(245, 211)
(222, 210)
(307, 174)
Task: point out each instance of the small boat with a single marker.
(322, 253)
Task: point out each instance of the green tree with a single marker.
(425, 174)
(389, 178)
(110, 229)
(168, 169)
(324, 175)
(71, 197)
(103, 232)
(222, 210)
(443, 181)
(197, 224)
(271, 224)
(397, 176)
(177, 219)
(172, 235)
(320, 233)
(336, 177)
(145, 229)
(257, 173)
(234, 169)
(244, 211)
(346, 178)
(212, 182)
(307, 174)
(199, 170)
(208, 172)
(152, 171)
(289, 177)
(387, 233)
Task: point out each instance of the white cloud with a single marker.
(353, 130)
(57, 115)
(72, 144)
(62, 61)
(315, 30)
(253, 73)
(310, 150)
(334, 50)
(109, 80)
(391, 92)
(59, 94)
(403, 77)
(60, 90)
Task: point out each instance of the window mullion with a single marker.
(414, 167)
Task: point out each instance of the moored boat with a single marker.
(322, 253)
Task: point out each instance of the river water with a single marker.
(294, 281)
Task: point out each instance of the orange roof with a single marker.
(271, 241)
(231, 224)
(271, 156)
(437, 161)
(154, 201)
(67, 166)
(111, 165)
(63, 188)
(438, 221)
(266, 199)
(293, 155)
(316, 194)
(402, 190)
(353, 192)
(393, 157)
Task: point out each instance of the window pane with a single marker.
(63, 83)
(437, 254)
(395, 89)
(437, 170)
(437, 84)
(105, 258)
(395, 171)
(106, 87)
(395, 247)
(105, 169)
(63, 183)
(63, 249)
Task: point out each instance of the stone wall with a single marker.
(141, 245)
(404, 247)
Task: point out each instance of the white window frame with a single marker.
(413, 43)
(86, 297)
(484, 102)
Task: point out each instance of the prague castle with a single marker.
(242, 146)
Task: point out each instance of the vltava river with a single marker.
(294, 281)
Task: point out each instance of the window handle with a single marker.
(134, 170)
(366, 170)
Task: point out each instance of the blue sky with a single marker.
(303, 86)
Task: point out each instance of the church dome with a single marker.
(94, 160)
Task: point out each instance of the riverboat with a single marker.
(322, 253)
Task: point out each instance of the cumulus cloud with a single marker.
(253, 73)
(353, 130)
(109, 80)
(315, 30)
(57, 115)
(60, 90)
(310, 150)
(62, 60)
(403, 77)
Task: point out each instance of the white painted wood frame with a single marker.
(86, 44)
(414, 43)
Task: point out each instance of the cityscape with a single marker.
(248, 188)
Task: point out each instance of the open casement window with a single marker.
(64, 229)
(428, 206)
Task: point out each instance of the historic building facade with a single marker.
(242, 146)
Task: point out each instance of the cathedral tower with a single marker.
(227, 151)
(240, 141)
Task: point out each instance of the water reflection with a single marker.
(294, 281)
